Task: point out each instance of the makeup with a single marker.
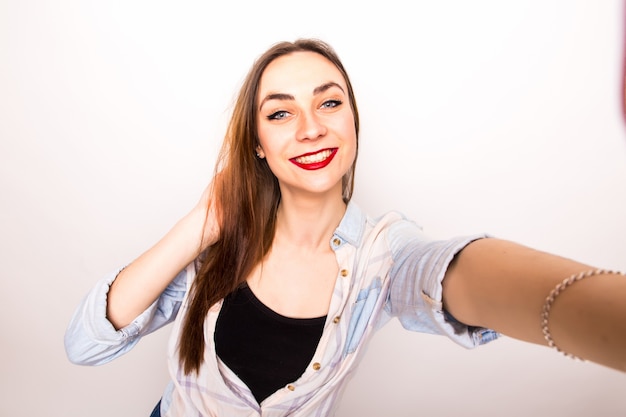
(315, 160)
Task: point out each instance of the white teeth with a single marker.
(313, 159)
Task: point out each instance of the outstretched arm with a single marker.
(501, 285)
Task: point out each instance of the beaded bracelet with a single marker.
(552, 296)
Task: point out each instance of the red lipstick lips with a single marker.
(315, 160)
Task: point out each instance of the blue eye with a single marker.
(281, 114)
(331, 104)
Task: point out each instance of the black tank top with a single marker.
(266, 350)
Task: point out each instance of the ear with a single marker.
(259, 152)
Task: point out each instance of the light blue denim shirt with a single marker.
(387, 268)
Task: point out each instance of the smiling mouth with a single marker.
(315, 160)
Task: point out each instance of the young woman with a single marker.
(276, 281)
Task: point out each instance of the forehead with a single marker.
(299, 71)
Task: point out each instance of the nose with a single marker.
(310, 127)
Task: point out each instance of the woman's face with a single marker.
(305, 125)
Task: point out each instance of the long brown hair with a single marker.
(246, 195)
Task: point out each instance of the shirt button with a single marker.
(291, 387)
(336, 241)
(336, 319)
(344, 272)
(316, 366)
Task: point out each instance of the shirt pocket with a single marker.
(362, 311)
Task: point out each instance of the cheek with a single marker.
(264, 135)
(275, 140)
(349, 133)
(354, 145)
(271, 145)
(348, 127)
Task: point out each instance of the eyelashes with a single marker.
(283, 114)
(331, 103)
(278, 115)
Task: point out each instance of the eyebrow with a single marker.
(283, 96)
(326, 86)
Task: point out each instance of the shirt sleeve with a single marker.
(415, 294)
(91, 339)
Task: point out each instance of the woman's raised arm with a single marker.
(140, 283)
(504, 286)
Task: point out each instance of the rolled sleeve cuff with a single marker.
(100, 328)
(91, 339)
(432, 295)
(416, 295)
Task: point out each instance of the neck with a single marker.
(308, 223)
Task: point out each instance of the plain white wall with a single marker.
(491, 116)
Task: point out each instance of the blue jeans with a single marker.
(157, 410)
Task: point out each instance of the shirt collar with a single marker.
(352, 225)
